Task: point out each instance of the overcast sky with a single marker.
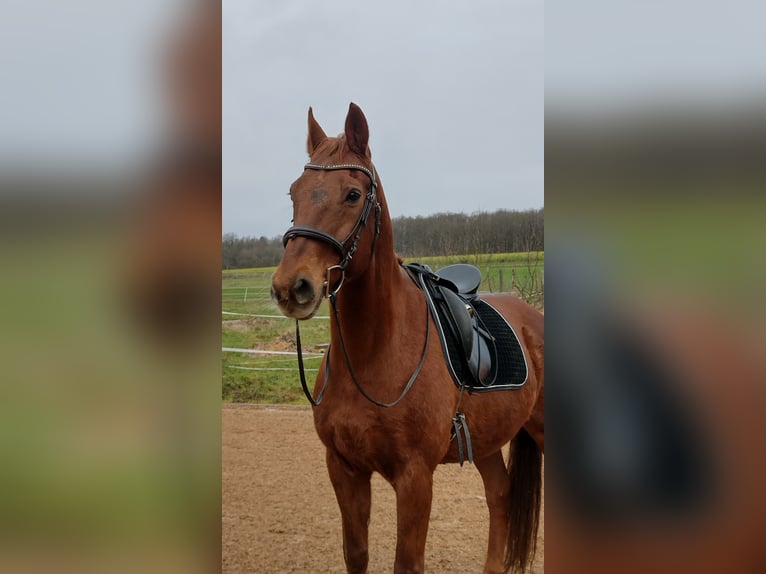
(80, 86)
(453, 96)
(453, 91)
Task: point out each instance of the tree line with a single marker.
(502, 231)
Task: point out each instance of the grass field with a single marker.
(252, 321)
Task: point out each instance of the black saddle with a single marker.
(482, 350)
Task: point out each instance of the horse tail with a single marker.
(525, 473)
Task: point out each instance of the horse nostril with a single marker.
(303, 291)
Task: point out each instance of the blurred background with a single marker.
(110, 221)
(110, 237)
(655, 177)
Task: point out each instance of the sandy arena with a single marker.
(279, 511)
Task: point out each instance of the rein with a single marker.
(331, 293)
(316, 402)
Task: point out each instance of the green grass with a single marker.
(246, 291)
(98, 451)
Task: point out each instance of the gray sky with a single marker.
(80, 83)
(453, 90)
(453, 96)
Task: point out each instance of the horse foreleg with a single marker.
(496, 488)
(352, 489)
(413, 489)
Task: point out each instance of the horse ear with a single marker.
(357, 132)
(316, 133)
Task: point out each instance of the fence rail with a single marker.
(260, 316)
(266, 352)
(238, 367)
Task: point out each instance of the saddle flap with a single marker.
(461, 319)
(480, 363)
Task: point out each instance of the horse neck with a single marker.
(374, 306)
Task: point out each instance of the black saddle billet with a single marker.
(482, 351)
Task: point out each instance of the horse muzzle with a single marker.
(297, 297)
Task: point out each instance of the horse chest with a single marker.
(360, 440)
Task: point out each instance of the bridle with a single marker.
(346, 248)
(346, 254)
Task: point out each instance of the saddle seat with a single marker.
(466, 278)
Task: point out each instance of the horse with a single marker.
(383, 400)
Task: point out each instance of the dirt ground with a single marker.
(279, 512)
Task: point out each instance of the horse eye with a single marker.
(353, 196)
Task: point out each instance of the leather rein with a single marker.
(346, 254)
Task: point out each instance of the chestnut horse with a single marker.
(382, 356)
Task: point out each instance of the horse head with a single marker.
(338, 211)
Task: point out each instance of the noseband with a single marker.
(346, 248)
